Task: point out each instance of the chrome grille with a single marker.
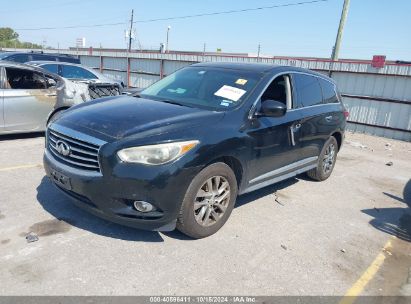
(82, 155)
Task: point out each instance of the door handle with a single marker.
(51, 94)
(329, 118)
(293, 129)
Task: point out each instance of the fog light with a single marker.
(143, 206)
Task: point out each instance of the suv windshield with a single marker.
(204, 87)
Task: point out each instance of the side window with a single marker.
(329, 94)
(24, 79)
(279, 90)
(74, 72)
(308, 90)
(22, 58)
(68, 59)
(42, 57)
(53, 68)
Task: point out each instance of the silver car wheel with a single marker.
(329, 158)
(211, 201)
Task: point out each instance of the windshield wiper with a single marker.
(172, 102)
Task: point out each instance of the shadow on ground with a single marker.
(243, 200)
(394, 221)
(61, 207)
(255, 195)
(21, 136)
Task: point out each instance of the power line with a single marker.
(178, 17)
(232, 11)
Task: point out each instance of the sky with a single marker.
(374, 27)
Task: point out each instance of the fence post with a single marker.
(161, 68)
(128, 71)
(101, 63)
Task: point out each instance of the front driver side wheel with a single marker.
(208, 202)
(326, 161)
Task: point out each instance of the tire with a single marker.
(55, 115)
(195, 219)
(326, 162)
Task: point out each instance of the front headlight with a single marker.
(156, 154)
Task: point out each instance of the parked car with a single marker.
(180, 152)
(76, 72)
(23, 57)
(31, 96)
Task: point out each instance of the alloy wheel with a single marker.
(329, 158)
(211, 201)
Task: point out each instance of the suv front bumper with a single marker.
(111, 197)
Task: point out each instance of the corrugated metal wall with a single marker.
(388, 114)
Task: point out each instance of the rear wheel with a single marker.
(326, 161)
(208, 202)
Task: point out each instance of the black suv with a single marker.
(180, 152)
(23, 57)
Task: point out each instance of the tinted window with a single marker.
(276, 91)
(3, 56)
(22, 58)
(24, 79)
(204, 87)
(68, 59)
(39, 57)
(74, 72)
(51, 68)
(308, 90)
(329, 94)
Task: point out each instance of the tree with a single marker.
(7, 34)
(9, 39)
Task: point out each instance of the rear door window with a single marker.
(24, 79)
(53, 68)
(74, 72)
(329, 93)
(307, 90)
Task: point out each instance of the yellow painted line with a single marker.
(356, 289)
(21, 167)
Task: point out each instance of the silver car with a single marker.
(27, 96)
(30, 97)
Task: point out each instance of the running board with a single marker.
(279, 176)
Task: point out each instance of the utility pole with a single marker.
(168, 33)
(130, 31)
(336, 49)
(204, 49)
(258, 54)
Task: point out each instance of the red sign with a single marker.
(378, 61)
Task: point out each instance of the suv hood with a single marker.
(124, 116)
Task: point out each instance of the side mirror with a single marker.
(51, 82)
(272, 108)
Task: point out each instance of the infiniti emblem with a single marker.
(63, 148)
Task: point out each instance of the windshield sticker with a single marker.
(225, 103)
(231, 93)
(177, 91)
(241, 81)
